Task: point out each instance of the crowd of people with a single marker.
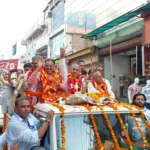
(41, 81)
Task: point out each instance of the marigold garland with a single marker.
(99, 142)
(74, 83)
(51, 91)
(123, 127)
(143, 116)
(63, 138)
(117, 147)
(63, 127)
(101, 88)
(137, 124)
(61, 109)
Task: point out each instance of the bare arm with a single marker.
(29, 136)
(4, 81)
(44, 126)
(63, 67)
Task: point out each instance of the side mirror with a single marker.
(37, 148)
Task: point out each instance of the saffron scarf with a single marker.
(102, 88)
(51, 91)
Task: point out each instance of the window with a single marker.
(58, 16)
(56, 43)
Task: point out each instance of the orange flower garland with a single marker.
(117, 147)
(99, 142)
(137, 125)
(74, 83)
(123, 127)
(63, 127)
(63, 138)
(51, 91)
(101, 88)
(61, 109)
(143, 116)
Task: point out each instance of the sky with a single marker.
(16, 17)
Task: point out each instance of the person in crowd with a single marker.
(74, 79)
(19, 72)
(27, 67)
(84, 74)
(91, 70)
(36, 86)
(138, 100)
(24, 130)
(49, 78)
(90, 74)
(7, 93)
(34, 64)
(81, 64)
(52, 81)
(98, 84)
(100, 68)
(16, 84)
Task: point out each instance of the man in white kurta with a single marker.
(100, 85)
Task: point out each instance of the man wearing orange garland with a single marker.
(75, 79)
(48, 76)
(138, 100)
(52, 81)
(98, 85)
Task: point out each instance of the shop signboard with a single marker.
(9, 64)
(146, 61)
(81, 22)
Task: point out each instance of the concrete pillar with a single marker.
(146, 16)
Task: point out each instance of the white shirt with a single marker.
(3, 139)
(18, 131)
(146, 113)
(92, 89)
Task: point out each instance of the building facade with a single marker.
(62, 23)
(36, 39)
(119, 38)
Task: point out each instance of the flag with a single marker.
(14, 49)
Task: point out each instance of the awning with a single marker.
(117, 21)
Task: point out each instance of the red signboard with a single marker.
(9, 64)
(146, 61)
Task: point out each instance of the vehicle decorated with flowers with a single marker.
(93, 122)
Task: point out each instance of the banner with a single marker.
(146, 61)
(9, 64)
